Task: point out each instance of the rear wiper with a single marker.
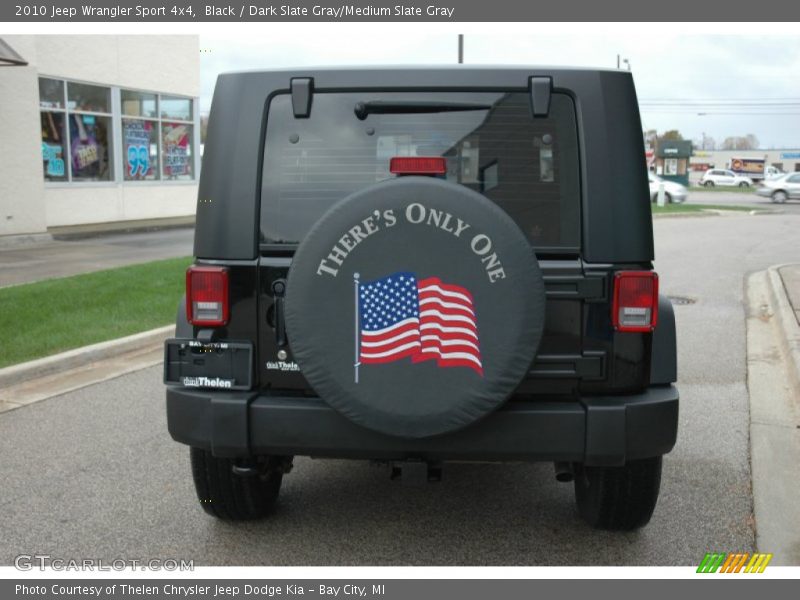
(379, 107)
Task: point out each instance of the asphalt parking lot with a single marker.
(93, 473)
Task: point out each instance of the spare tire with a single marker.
(414, 307)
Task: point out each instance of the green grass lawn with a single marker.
(683, 208)
(47, 317)
(724, 188)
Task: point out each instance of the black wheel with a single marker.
(667, 198)
(233, 496)
(744, 184)
(709, 184)
(618, 498)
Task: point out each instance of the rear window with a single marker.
(490, 141)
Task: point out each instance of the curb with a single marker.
(90, 230)
(684, 215)
(83, 356)
(790, 340)
(13, 242)
(721, 212)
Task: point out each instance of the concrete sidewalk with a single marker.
(773, 378)
(38, 260)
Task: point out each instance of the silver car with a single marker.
(783, 188)
(673, 192)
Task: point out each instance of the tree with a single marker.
(747, 142)
(705, 143)
(672, 135)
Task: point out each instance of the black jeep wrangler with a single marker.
(421, 265)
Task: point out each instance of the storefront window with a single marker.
(179, 109)
(176, 146)
(51, 93)
(90, 98)
(140, 149)
(76, 134)
(54, 146)
(84, 127)
(158, 145)
(90, 137)
(139, 104)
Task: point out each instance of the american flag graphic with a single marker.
(400, 316)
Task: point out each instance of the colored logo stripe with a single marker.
(734, 562)
(758, 563)
(711, 562)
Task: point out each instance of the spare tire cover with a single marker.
(414, 307)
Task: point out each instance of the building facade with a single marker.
(786, 160)
(98, 131)
(672, 160)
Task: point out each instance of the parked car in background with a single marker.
(783, 188)
(673, 192)
(714, 177)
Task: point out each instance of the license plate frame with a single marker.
(218, 365)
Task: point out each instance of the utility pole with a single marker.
(460, 48)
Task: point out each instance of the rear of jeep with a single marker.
(418, 266)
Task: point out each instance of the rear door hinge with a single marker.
(302, 94)
(540, 90)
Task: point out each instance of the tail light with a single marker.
(418, 165)
(207, 296)
(635, 304)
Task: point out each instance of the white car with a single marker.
(714, 177)
(673, 192)
(782, 188)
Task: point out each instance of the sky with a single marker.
(700, 84)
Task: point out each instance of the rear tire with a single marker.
(227, 495)
(779, 197)
(709, 184)
(618, 498)
(744, 184)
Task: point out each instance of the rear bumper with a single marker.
(678, 197)
(597, 430)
